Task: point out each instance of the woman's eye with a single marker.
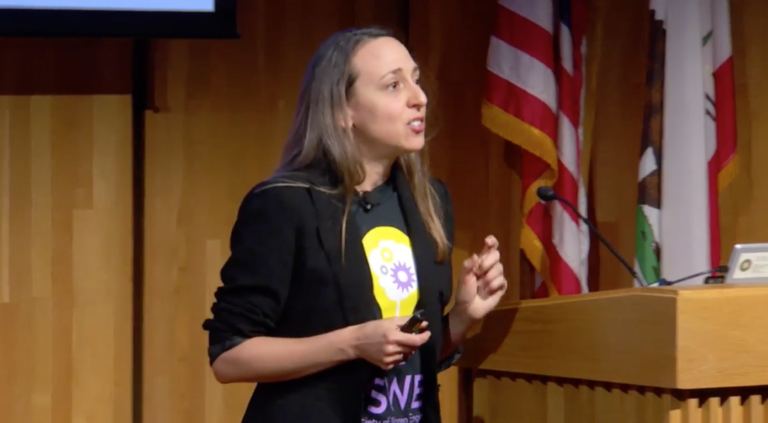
(393, 86)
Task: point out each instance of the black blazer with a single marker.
(286, 278)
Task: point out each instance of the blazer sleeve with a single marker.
(256, 277)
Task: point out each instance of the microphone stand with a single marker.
(547, 194)
(664, 282)
(600, 237)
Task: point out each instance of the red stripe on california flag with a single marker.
(524, 35)
(725, 110)
(520, 104)
(725, 135)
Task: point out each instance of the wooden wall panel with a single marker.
(65, 232)
(568, 401)
(618, 101)
(223, 108)
(744, 204)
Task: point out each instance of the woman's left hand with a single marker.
(482, 283)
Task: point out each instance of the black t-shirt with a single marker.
(394, 396)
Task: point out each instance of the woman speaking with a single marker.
(340, 247)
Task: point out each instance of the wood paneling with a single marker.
(745, 205)
(675, 340)
(65, 232)
(659, 354)
(568, 401)
(222, 109)
(618, 100)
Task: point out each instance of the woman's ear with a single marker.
(344, 120)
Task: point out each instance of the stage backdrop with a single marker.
(220, 113)
(65, 231)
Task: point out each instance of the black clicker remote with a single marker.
(413, 325)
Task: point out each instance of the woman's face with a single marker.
(387, 107)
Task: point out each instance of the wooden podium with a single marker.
(667, 354)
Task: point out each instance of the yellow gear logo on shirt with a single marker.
(390, 258)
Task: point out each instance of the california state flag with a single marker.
(699, 134)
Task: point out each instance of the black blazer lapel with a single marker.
(351, 272)
(424, 249)
(434, 277)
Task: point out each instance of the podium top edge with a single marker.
(662, 291)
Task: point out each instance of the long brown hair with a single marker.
(316, 137)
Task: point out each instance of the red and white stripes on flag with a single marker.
(534, 96)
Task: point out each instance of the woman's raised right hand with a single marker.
(380, 342)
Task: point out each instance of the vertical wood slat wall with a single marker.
(527, 400)
(223, 108)
(65, 232)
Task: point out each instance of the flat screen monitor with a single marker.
(119, 18)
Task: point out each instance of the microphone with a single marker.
(367, 200)
(548, 194)
(719, 269)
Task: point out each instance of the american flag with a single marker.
(534, 96)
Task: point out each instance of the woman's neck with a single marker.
(376, 173)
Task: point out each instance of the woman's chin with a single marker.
(414, 144)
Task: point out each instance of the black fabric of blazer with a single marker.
(285, 278)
